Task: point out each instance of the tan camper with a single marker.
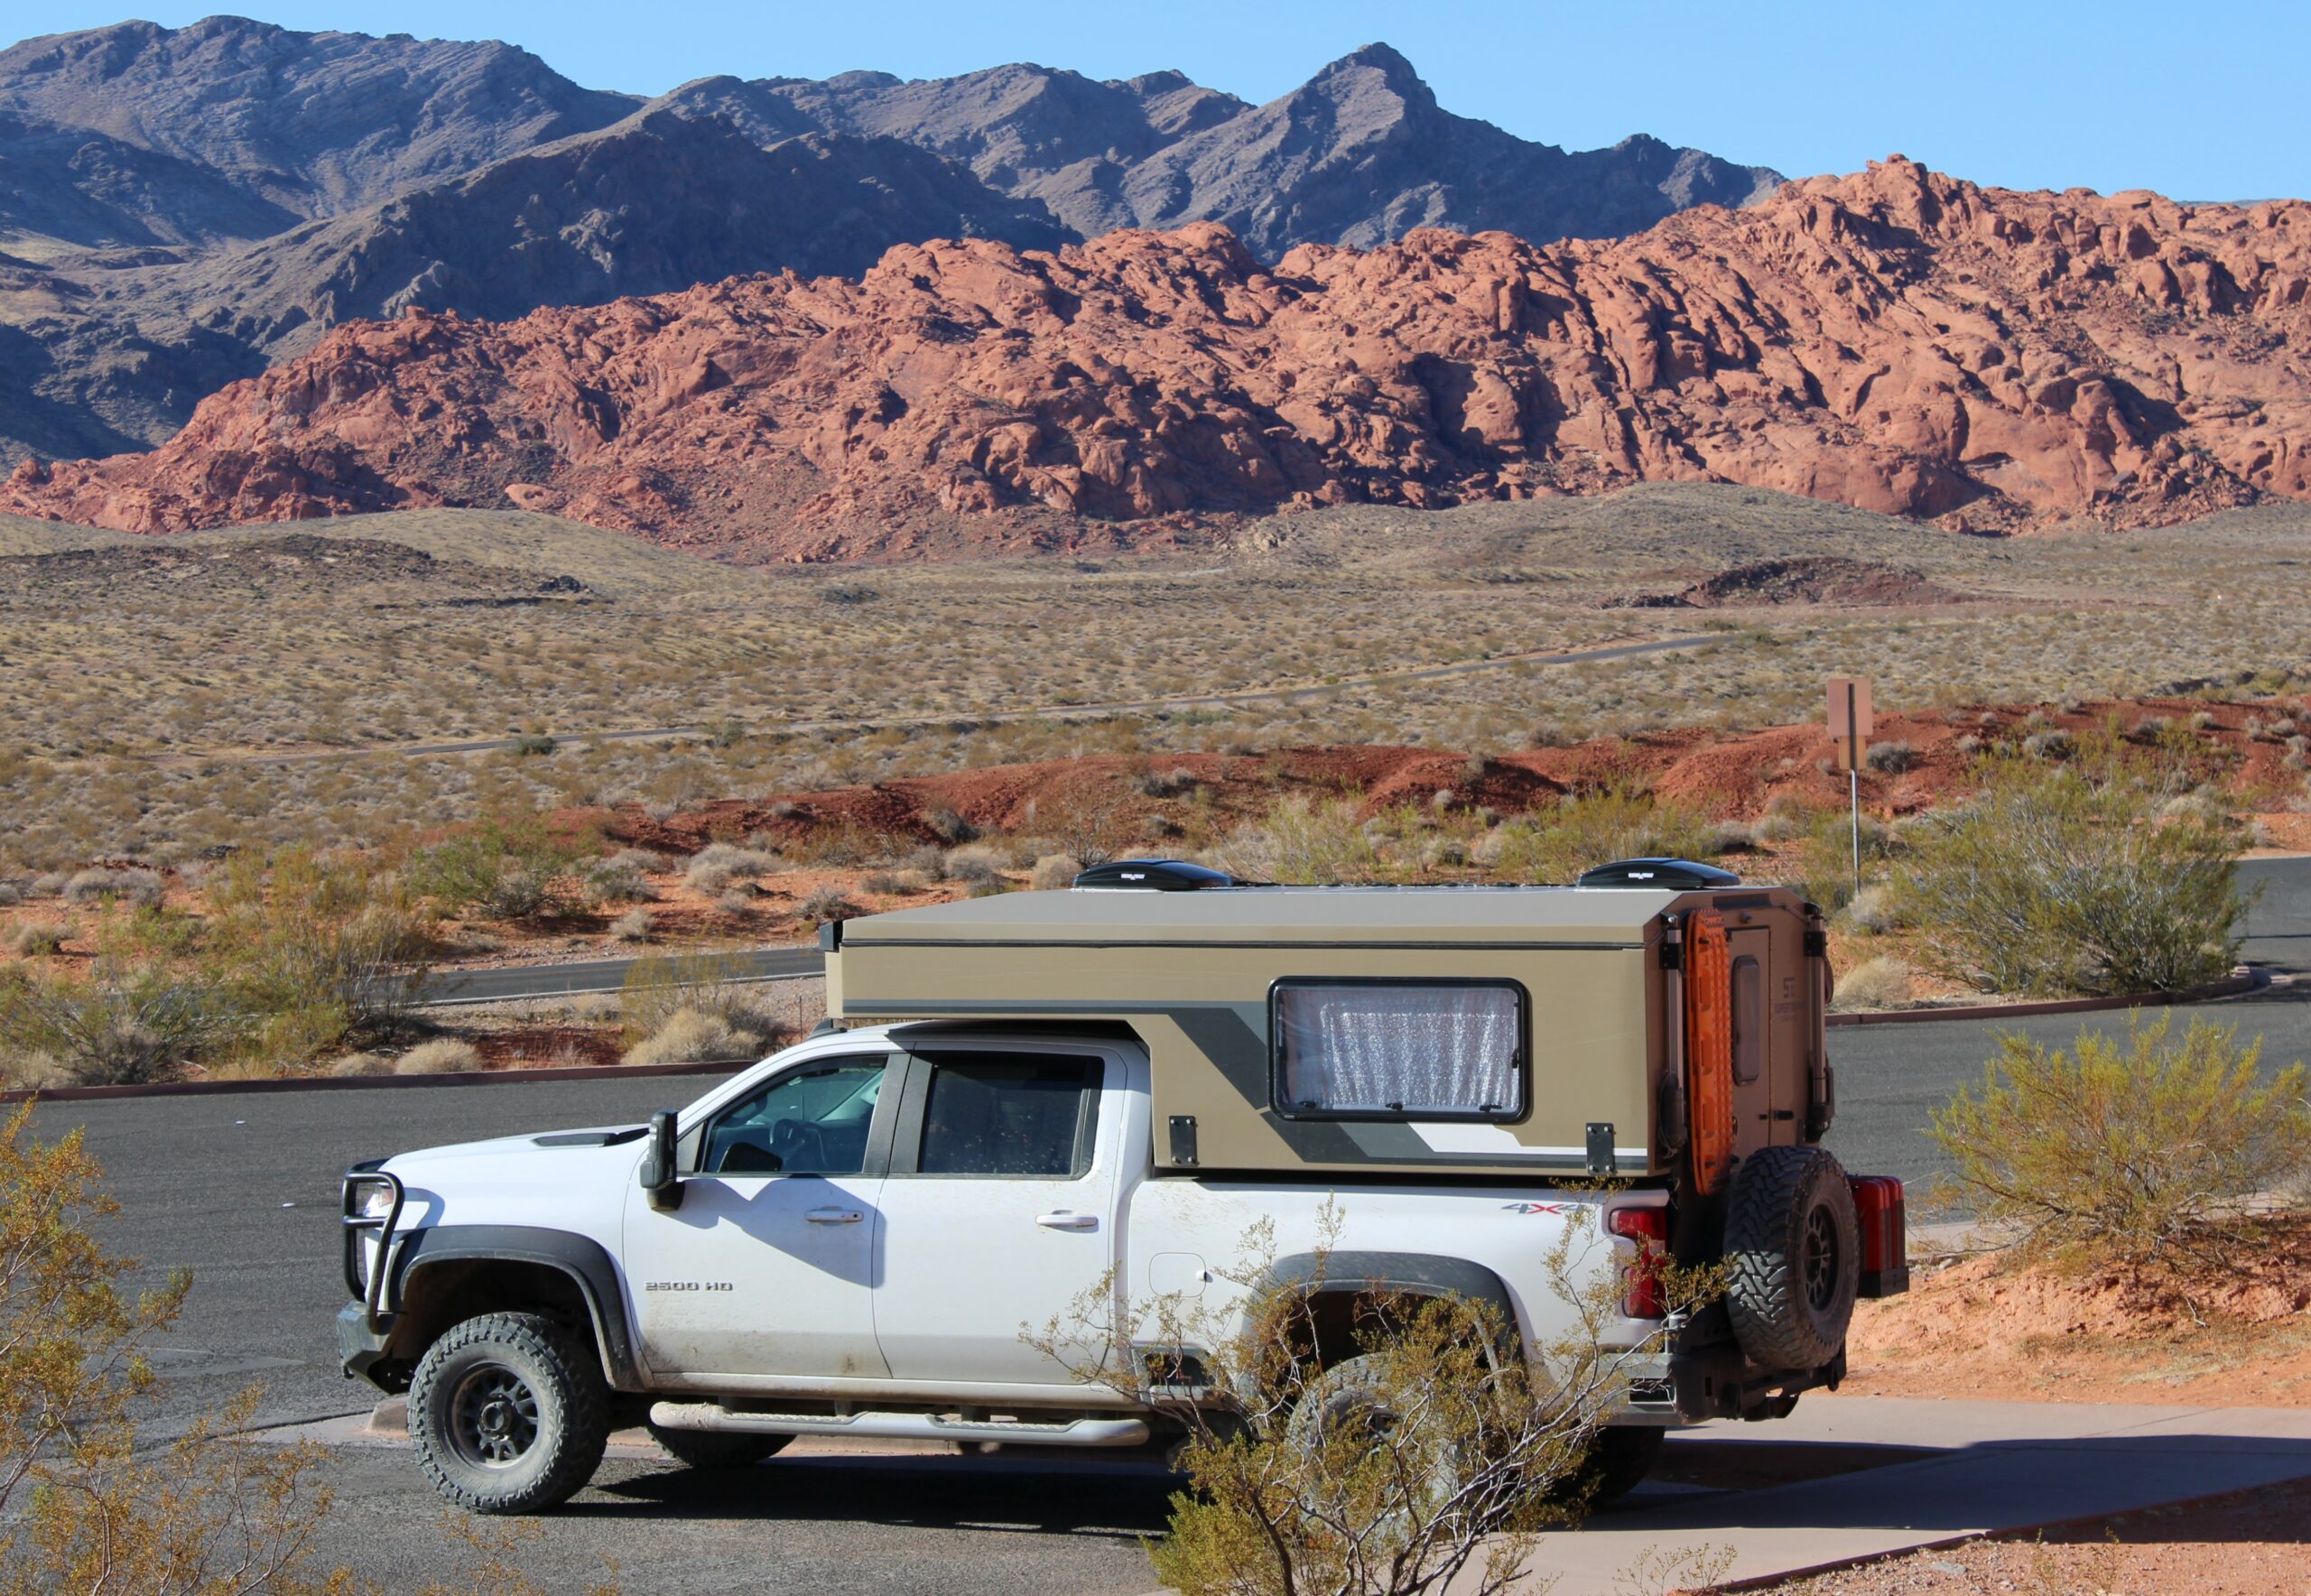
(1658, 1019)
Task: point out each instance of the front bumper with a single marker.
(361, 1348)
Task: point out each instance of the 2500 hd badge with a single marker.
(688, 1285)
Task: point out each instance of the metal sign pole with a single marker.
(1853, 791)
(1848, 706)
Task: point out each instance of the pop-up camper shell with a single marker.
(1630, 1030)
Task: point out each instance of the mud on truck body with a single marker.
(1025, 1100)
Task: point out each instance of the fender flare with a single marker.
(584, 1260)
(1410, 1274)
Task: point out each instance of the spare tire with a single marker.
(1793, 1256)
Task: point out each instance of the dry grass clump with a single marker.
(695, 1035)
(633, 926)
(36, 938)
(826, 905)
(442, 1056)
(361, 1063)
(1874, 912)
(720, 865)
(1889, 758)
(1884, 982)
(1054, 872)
(135, 886)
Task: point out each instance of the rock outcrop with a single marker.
(1895, 340)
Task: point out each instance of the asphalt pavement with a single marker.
(511, 982)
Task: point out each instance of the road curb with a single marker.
(76, 1094)
(2247, 980)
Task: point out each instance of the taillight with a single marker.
(1649, 1228)
(1879, 1213)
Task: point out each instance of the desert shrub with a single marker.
(633, 926)
(2049, 744)
(695, 1035)
(2128, 1151)
(135, 886)
(1593, 828)
(508, 866)
(1732, 837)
(1826, 861)
(1874, 912)
(827, 904)
(973, 866)
(2065, 879)
(889, 882)
(37, 938)
(358, 1063)
(84, 1505)
(1054, 872)
(1883, 982)
(1164, 784)
(312, 950)
(1301, 843)
(50, 885)
(11, 894)
(128, 1023)
(442, 1056)
(1785, 817)
(718, 866)
(533, 744)
(950, 827)
(1404, 1445)
(1889, 758)
(616, 882)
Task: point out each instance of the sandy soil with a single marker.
(1976, 1328)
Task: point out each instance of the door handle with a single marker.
(1065, 1220)
(834, 1216)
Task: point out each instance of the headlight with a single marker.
(378, 1202)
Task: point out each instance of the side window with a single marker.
(1029, 1115)
(1397, 1050)
(811, 1120)
(1748, 1018)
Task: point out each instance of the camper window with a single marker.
(1398, 1049)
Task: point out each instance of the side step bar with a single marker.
(898, 1426)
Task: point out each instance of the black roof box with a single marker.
(1151, 876)
(1676, 874)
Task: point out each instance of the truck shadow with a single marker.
(1121, 1502)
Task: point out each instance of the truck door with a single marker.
(765, 1268)
(998, 1210)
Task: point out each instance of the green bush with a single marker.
(127, 1024)
(509, 867)
(2128, 1150)
(1556, 845)
(2065, 878)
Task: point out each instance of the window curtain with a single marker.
(1409, 1050)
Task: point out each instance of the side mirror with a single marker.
(659, 1179)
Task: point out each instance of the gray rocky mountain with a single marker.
(181, 206)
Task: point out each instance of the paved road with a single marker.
(1200, 700)
(1891, 1076)
(515, 981)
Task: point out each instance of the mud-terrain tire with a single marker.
(716, 1449)
(508, 1413)
(1793, 1256)
(1619, 1459)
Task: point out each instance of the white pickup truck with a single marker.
(849, 1237)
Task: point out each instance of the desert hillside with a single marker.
(1899, 341)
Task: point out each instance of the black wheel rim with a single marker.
(493, 1417)
(1821, 1258)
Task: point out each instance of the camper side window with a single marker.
(1398, 1050)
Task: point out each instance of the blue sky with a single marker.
(2199, 101)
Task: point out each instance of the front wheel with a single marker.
(508, 1413)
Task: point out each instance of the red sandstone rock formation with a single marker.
(1895, 340)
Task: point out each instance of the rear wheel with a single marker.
(1348, 1407)
(508, 1413)
(716, 1449)
(1619, 1461)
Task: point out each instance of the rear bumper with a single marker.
(1713, 1382)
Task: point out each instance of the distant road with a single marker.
(1200, 700)
(514, 982)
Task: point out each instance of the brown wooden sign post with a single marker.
(1849, 737)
